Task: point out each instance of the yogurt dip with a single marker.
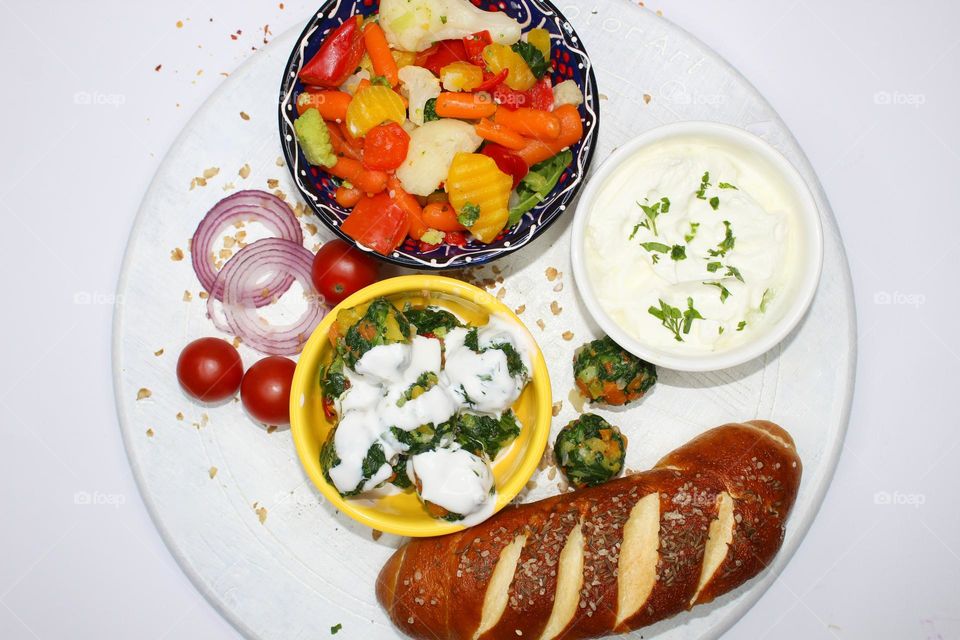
(690, 243)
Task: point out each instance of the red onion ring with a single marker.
(256, 206)
(274, 257)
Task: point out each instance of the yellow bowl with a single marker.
(402, 513)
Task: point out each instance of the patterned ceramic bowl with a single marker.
(570, 62)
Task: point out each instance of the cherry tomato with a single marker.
(210, 369)
(378, 223)
(508, 162)
(265, 390)
(385, 147)
(339, 271)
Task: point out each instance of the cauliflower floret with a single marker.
(432, 148)
(567, 92)
(414, 25)
(418, 86)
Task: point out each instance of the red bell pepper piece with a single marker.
(338, 58)
(447, 52)
(491, 81)
(378, 223)
(539, 97)
(474, 46)
(507, 161)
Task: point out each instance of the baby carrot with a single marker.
(571, 130)
(442, 217)
(348, 198)
(409, 205)
(380, 54)
(465, 106)
(332, 105)
(341, 146)
(353, 172)
(532, 123)
(491, 132)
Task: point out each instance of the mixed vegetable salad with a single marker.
(439, 121)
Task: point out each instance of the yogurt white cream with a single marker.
(688, 243)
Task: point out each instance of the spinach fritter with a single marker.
(605, 373)
(590, 451)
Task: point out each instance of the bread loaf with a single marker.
(608, 559)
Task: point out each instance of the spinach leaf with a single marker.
(533, 57)
(538, 184)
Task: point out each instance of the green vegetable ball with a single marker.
(590, 451)
(605, 373)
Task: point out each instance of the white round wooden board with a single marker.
(256, 538)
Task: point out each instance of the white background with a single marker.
(870, 89)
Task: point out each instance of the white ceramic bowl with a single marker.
(803, 282)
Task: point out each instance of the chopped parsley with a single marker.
(713, 266)
(443, 19)
(727, 185)
(733, 272)
(674, 319)
(652, 212)
(659, 247)
(715, 203)
(678, 252)
(693, 232)
(469, 215)
(726, 244)
(335, 629)
(742, 325)
(765, 301)
(724, 292)
(704, 185)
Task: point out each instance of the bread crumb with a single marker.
(213, 472)
(520, 309)
(558, 287)
(273, 183)
(179, 24)
(203, 295)
(551, 274)
(375, 534)
(311, 228)
(149, 433)
(541, 324)
(179, 415)
(280, 162)
(646, 98)
(244, 115)
(261, 512)
(176, 255)
(144, 393)
(211, 172)
(567, 335)
(271, 428)
(236, 342)
(244, 171)
(555, 308)
(187, 296)
(557, 407)
(158, 352)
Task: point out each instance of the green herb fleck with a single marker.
(727, 185)
(659, 247)
(704, 185)
(469, 215)
(742, 325)
(765, 301)
(726, 244)
(690, 315)
(674, 319)
(443, 19)
(724, 292)
(652, 212)
(713, 266)
(633, 234)
(430, 110)
(715, 203)
(693, 232)
(733, 272)
(678, 252)
(335, 629)
(655, 258)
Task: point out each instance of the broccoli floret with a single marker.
(314, 139)
(590, 451)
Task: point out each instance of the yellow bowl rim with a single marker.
(302, 381)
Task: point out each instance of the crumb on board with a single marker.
(158, 67)
(179, 24)
(210, 172)
(375, 534)
(176, 255)
(213, 472)
(203, 295)
(271, 428)
(158, 352)
(557, 408)
(149, 433)
(260, 511)
(520, 309)
(236, 342)
(558, 287)
(567, 335)
(647, 98)
(244, 115)
(541, 324)
(144, 393)
(280, 162)
(244, 171)
(311, 228)
(555, 308)
(551, 273)
(187, 296)
(180, 415)
(273, 183)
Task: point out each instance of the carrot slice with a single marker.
(332, 105)
(353, 172)
(495, 133)
(532, 123)
(571, 131)
(380, 54)
(465, 106)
